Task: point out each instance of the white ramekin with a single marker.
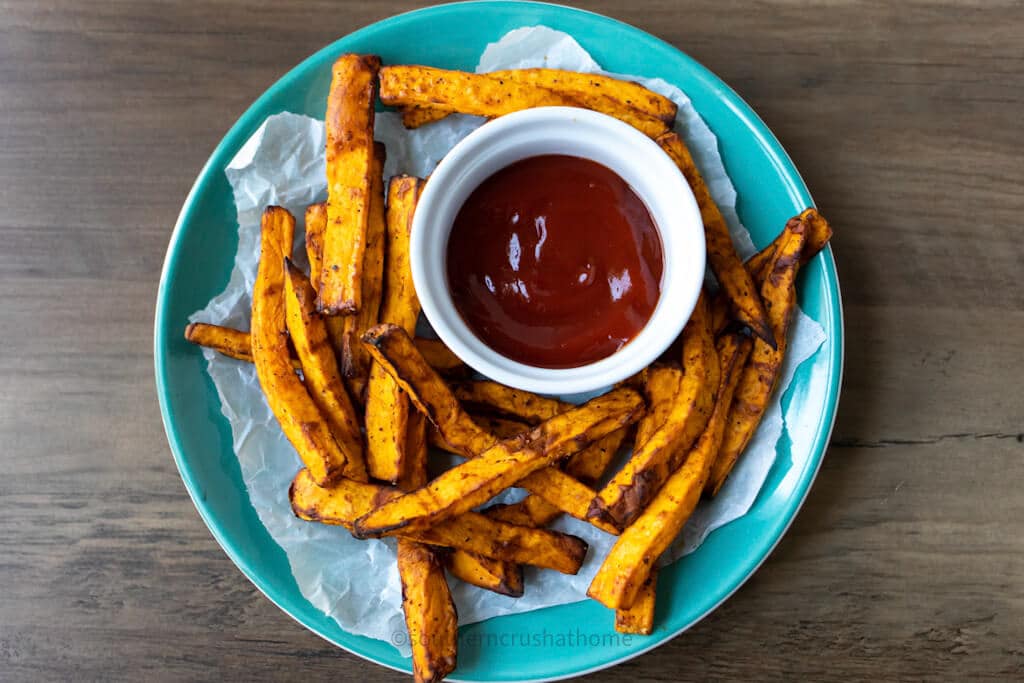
(578, 132)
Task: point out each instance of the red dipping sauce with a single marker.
(554, 262)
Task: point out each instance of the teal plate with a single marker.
(556, 642)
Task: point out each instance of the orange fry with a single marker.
(349, 123)
(732, 277)
(408, 86)
(653, 460)
(355, 361)
(762, 371)
(316, 225)
(299, 417)
(392, 348)
(479, 479)
(320, 369)
(638, 618)
(387, 406)
(238, 344)
(620, 582)
(429, 612)
(342, 502)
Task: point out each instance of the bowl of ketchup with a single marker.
(557, 250)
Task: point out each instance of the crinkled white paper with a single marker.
(356, 582)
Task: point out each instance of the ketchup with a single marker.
(554, 262)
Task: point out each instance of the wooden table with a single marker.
(907, 561)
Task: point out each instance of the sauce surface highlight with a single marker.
(554, 262)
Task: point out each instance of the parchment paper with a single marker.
(356, 582)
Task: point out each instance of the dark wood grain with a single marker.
(907, 561)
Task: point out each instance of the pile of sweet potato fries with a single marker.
(362, 400)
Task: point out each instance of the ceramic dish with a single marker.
(561, 641)
(561, 130)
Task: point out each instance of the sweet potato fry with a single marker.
(440, 357)
(490, 538)
(585, 86)
(660, 387)
(414, 117)
(653, 459)
(299, 417)
(499, 576)
(413, 474)
(533, 511)
(316, 225)
(426, 599)
(568, 494)
(530, 511)
(732, 277)
(478, 480)
(588, 465)
(620, 581)
(339, 503)
(349, 122)
(392, 348)
(571, 83)
(762, 370)
(355, 360)
(387, 406)
(496, 575)
(387, 419)
(713, 373)
(500, 427)
(719, 313)
(733, 352)
(498, 398)
(335, 325)
(503, 578)
(638, 618)
(489, 95)
(819, 232)
(238, 344)
(226, 340)
(320, 369)
(429, 612)
(572, 494)
(414, 468)
(399, 304)
(623, 572)
(345, 500)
